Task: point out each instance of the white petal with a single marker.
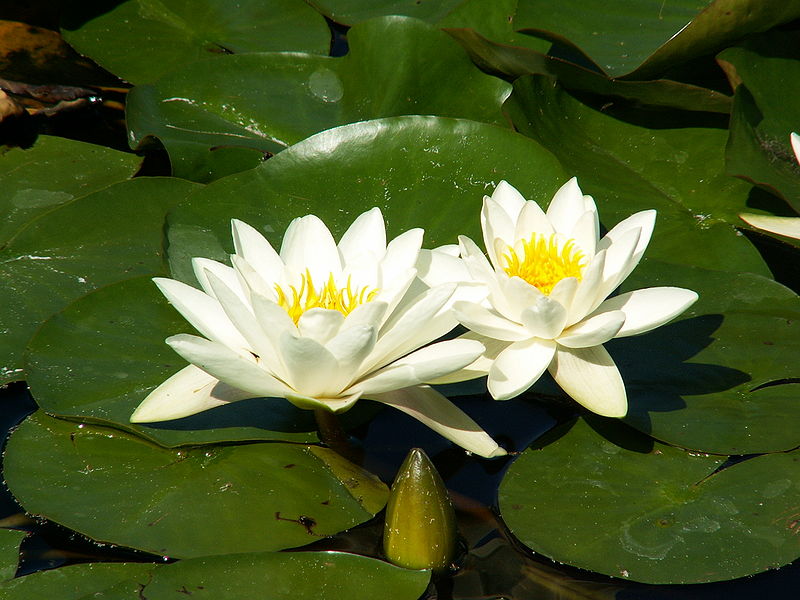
(435, 268)
(518, 366)
(202, 311)
(476, 262)
(418, 367)
(591, 378)
(369, 314)
(564, 291)
(187, 392)
(544, 319)
(489, 323)
(320, 324)
(367, 235)
(586, 232)
(448, 249)
(586, 294)
(517, 296)
(620, 260)
(566, 207)
(241, 316)
(253, 281)
(496, 225)
(223, 272)
(334, 405)
(253, 247)
(595, 330)
(308, 244)
(648, 308)
(644, 222)
(401, 254)
(480, 366)
(273, 318)
(412, 325)
(226, 365)
(532, 219)
(350, 348)
(795, 139)
(511, 201)
(437, 412)
(311, 369)
(786, 226)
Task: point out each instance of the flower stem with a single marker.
(333, 435)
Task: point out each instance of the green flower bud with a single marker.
(420, 528)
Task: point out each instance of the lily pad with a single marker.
(421, 171)
(351, 12)
(513, 61)
(719, 379)
(268, 101)
(640, 39)
(107, 236)
(676, 168)
(118, 488)
(767, 72)
(52, 172)
(336, 576)
(604, 498)
(97, 360)
(171, 33)
(82, 582)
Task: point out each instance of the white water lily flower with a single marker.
(786, 226)
(548, 277)
(319, 324)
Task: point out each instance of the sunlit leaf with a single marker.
(9, 552)
(606, 499)
(268, 101)
(768, 71)
(139, 40)
(110, 235)
(118, 488)
(640, 39)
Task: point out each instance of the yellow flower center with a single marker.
(544, 262)
(330, 296)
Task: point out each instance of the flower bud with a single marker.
(420, 528)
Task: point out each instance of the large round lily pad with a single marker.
(267, 101)
(110, 235)
(118, 488)
(604, 498)
(122, 581)
(98, 359)
(171, 33)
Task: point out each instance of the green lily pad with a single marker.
(122, 581)
(718, 379)
(676, 168)
(336, 576)
(52, 172)
(640, 39)
(171, 33)
(351, 12)
(107, 236)
(268, 101)
(9, 552)
(203, 501)
(513, 61)
(429, 172)
(604, 498)
(768, 72)
(97, 360)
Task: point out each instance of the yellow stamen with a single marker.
(544, 262)
(329, 296)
